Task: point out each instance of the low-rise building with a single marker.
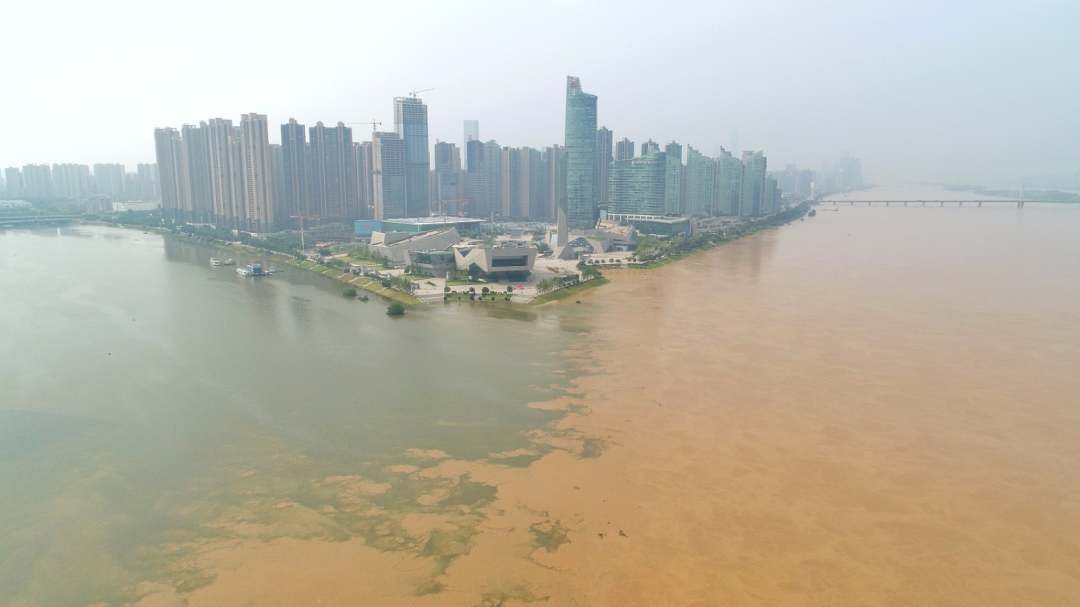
(502, 259)
(397, 246)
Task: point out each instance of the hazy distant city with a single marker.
(231, 175)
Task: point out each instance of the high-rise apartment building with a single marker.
(448, 189)
(258, 207)
(751, 200)
(637, 185)
(224, 172)
(580, 145)
(649, 147)
(71, 181)
(333, 179)
(604, 159)
(294, 166)
(624, 149)
(475, 179)
(673, 179)
(493, 176)
(729, 173)
(472, 133)
(700, 183)
(509, 184)
(364, 178)
(388, 170)
(12, 182)
(37, 181)
(146, 182)
(411, 124)
(555, 188)
(109, 180)
(196, 145)
(172, 168)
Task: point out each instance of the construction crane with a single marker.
(374, 124)
(413, 93)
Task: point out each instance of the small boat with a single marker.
(215, 262)
(252, 269)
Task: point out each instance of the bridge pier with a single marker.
(942, 203)
(980, 203)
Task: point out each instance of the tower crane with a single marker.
(374, 124)
(413, 93)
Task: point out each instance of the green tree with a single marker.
(395, 309)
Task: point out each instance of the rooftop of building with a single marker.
(433, 221)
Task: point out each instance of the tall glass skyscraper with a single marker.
(580, 148)
(410, 120)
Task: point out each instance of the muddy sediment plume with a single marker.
(820, 415)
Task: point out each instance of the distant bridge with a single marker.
(37, 219)
(1018, 203)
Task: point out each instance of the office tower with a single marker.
(333, 173)
(13, 182)
(555, 188)
(624, 149)
(294, 166)
(411, 124)
(603, 160)
(365, 186)
(197, 152)
(388, 170)
(172, 171)
(753, 184)
(649, 147)
(637, 185)
(700, 183)
(673, 179)
(580, 144)
(224, 172)
(71, 181)
(728, 183)
(258, 207)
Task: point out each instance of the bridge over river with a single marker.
(974, 202)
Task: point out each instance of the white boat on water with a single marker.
(252, 269)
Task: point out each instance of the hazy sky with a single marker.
(960, 91)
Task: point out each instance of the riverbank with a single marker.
(663, 253)
(345, 278)
(551, 296)
(680, 248)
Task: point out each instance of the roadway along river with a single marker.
(875, 406)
